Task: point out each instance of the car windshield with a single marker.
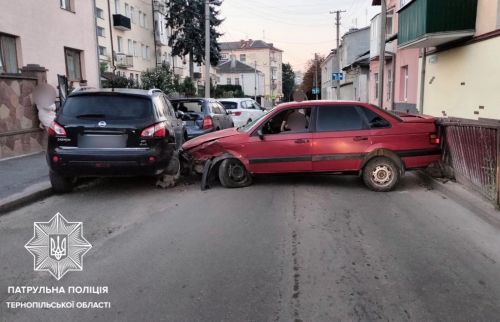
(188, 106)
(247, 127)
(111, 107)
(230, 105)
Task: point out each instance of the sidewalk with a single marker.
(23, 179)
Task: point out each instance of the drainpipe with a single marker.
(381, 53)
(155, 25)
(422, 79)
(111, 39)
(97, 47)
(393, 77)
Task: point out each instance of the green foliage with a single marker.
(160, 77)
(115, 81)
(288, 79)
(103, 67)
(309, 79)
(226, 91)
(188, 29)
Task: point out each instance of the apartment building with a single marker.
(263, 56)
(58, 35)
(460, 44)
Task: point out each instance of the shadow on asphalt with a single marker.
(346, 182)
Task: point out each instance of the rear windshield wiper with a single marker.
(83, 116)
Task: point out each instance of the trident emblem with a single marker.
(58, 246)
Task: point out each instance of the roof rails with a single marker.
(82, 88)
(154, 90)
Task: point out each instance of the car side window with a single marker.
(249, 105)
(339, 118)
(256, 105)
(294, 120)
(374, 120)
(221, 108)
(215, 108)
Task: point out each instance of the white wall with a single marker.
(247, 82)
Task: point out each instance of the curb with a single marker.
(467, 198)
(31, 194)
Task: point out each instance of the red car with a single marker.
(319, 137)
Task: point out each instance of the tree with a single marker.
(288, 79)
(310, 76)
(160, 77)
(186, 19)
(116, 81)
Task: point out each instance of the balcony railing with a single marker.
(124, 61)
(430, 23)
(121, 22)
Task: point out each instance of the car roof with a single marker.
(192, 99)
(127, 91)
(235, 99)
(318, 103)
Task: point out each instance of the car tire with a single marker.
(233, 174)
(172, 173)
(61, 184)
(381, 174)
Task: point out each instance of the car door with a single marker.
(216, 115)
(228, 121)
(173, 121)
(341, 138)
(280, 151)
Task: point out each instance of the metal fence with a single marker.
(472, 149)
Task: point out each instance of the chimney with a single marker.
(233, 61)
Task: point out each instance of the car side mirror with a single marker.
(260, 134)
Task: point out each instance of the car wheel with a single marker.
(172, 173)
(233, 174)
(381, 174)
(59, 183)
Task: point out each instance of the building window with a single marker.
(132, 14)
(389, 84)
(102, 50)
(224, 56)
(130, 47)
(99, 13)
(228, 81)
(141, 19)
(388, 23)
(243, 58)
(143, 51)
(376, 84)
(127, 10)
(120, 44)
(100, 32)
(405, 78)
(145, 21)
(73, 64)
(236, 81)
(67, 5)
(8, 54)
(117, 7)
(136, 49)
(148, 53)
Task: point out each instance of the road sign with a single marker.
(315, 90)
(337, 76)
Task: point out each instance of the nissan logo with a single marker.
(101, 124)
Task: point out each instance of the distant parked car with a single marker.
(319, 137)
(201, 115)
(242, 110)
(119, 132)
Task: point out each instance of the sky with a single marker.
(298, 27)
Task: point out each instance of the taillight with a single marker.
(237, 113)
(157, 130)
(434, 138)
(56, 130)
(207, 122)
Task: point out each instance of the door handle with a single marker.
(301, 141)
(360, 138)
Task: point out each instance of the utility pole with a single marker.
(207, 49)
(255, 81)
(381, 53)
(337, 54)
(316, 74)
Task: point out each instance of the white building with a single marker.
(234, 72)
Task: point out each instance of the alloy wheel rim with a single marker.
(382, 175)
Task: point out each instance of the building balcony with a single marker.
(431, 23)
(124, 61)
(121, 22)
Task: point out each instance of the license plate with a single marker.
(102, 165)
(102, 141)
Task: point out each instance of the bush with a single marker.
(228, 91)
(115, 81)
(160, 77)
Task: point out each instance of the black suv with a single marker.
(113, 132)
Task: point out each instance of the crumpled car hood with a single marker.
(209, 137)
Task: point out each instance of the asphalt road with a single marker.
(317, 248)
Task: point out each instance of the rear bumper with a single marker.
(77, 162)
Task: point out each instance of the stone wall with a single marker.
(20, 131)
